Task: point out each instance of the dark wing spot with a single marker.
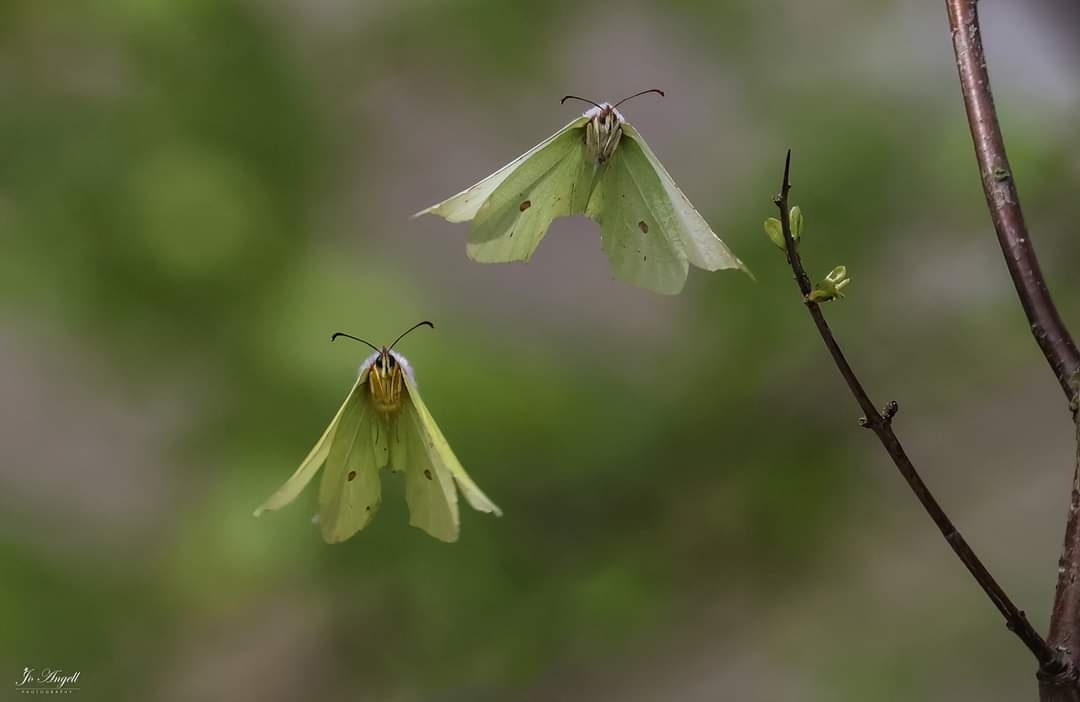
(351, 476)
(644, 258)
(427, 474)
(525, 204)
(643, 227)
(368, 508)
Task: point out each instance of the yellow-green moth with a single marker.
(383, 423)
(597, 165)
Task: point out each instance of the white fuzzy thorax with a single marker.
(401, 361)
(595, 112)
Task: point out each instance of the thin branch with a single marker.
(880, 422)
(1061, 686)
(1002, 199)
(1049, 331)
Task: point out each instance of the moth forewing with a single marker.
(638, 241)
(439, 452)
(429, 488)
(703, 248)
(556, 183)
(350, 491)
(314, 460)
(464, 206)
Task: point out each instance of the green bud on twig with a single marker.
(775, 233)
(832, 287)
(775, 230)
(796, 223)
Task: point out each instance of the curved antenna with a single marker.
(575, 97)
(643, 92)
(425, 323)
(354, 338)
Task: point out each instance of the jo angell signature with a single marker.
(48, 676)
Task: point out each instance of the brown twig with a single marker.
(1002, 199)
(880, 422)
(1049, 331)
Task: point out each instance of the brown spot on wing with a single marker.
(351, 476)
(526, 204)
(427, 474)
(643, 227)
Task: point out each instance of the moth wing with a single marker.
(315, 459)
(464, 206)
(349, 493)
(429, 486)
(439, 453)
(555, 182)
(642, 247)
(700, 244)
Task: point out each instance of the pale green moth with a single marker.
(649, 230)
(383, 423)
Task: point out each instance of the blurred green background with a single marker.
(193, 195)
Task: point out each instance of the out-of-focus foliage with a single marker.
(193, 195)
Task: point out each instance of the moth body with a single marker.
(603, 131)
(386, 381)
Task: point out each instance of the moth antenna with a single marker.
(643, 92)
(354, 338)
(425, 323)
(575, 97)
